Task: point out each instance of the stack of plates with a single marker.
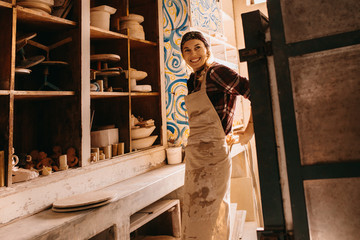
(43, 6)
(132, 22)
(83, 201)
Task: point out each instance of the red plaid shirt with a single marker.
(222, 86)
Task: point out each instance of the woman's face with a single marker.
(195, 53)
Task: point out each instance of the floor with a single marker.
(249, 232)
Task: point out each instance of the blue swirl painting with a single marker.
(206, 15)
(176, 23)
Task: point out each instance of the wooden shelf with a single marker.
(98, 95)
(138, 43)
(30, 110)
(41, 94)
(95, 95)
(144, 94)
(4, 92)
(29, 16)
(5, 4)
(101, 34)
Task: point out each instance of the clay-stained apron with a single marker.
(207, 173)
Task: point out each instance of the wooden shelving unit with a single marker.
(26, 15)
(34, 116)
(5, 4)
(41, 94)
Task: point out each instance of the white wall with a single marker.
(228, 21)
(239, 7)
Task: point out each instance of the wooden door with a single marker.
(316, 52)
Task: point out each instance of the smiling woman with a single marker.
(210, 104)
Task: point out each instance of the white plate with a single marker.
(143, 142)
(133, 17)
(74, 209)
(84, 199)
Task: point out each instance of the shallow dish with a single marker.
(141, 132)
(143, 142)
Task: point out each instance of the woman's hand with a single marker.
(245, 135)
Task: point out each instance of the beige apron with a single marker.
(207, 173)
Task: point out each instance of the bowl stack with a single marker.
(132, 23)
(140, 133)
(42, 6)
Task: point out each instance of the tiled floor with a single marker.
(249, 232)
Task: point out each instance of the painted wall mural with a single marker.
(176, 23)
(206, 15)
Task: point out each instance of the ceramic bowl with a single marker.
(143, 142)
(141, 132)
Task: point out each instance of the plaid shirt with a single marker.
(222, 86)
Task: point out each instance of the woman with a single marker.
(212, 89)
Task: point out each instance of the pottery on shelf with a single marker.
(141, 132)
(135, 74)
(141, 88)
(105, 57)
(100, 16)
(133, 17)
(42, 6)
(132, 24)
(143, 142)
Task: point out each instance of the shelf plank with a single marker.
(26, 15)
(139, 43)
(5, 4)
(101, 34)
(144, 94)
(98, 95)
(95, 95)
(98, 33)
(41, 94)
(4, 92)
